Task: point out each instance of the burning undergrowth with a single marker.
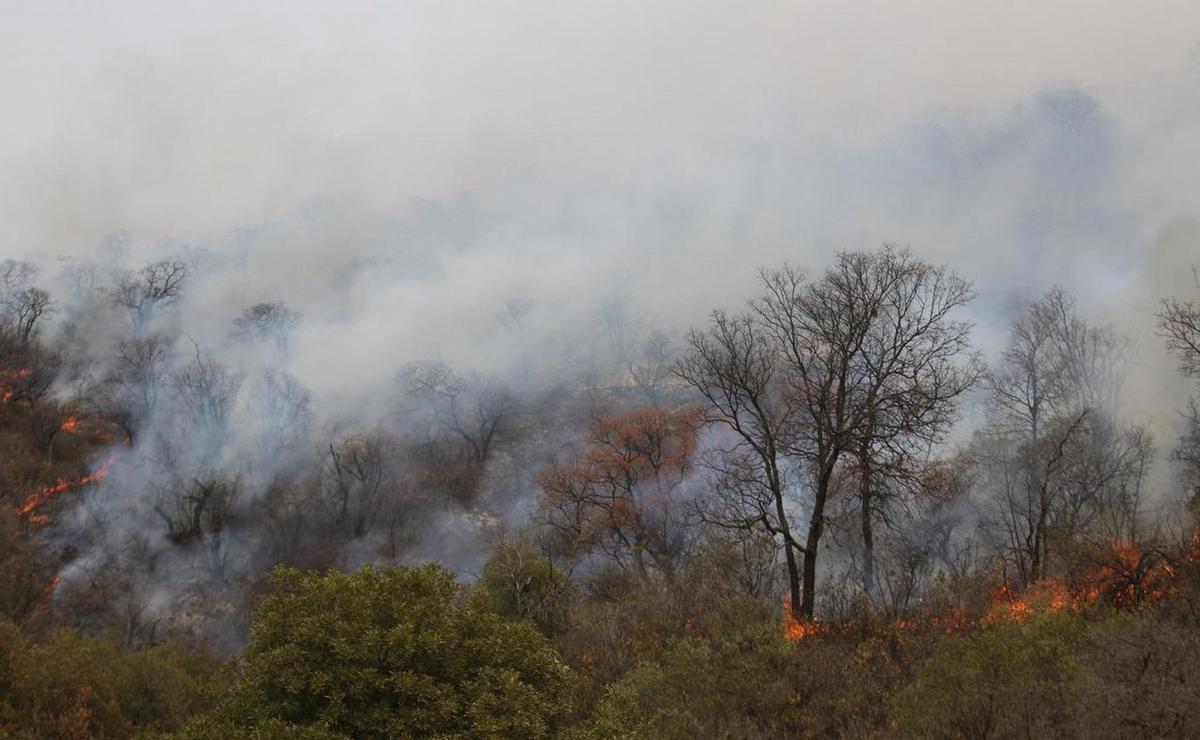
(1117, 575)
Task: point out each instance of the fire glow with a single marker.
(32, 506)
(8, 379)
(1126, 577)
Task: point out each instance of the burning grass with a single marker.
(1119, 575)
(35, 502)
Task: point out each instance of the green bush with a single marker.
(390, 653)
(724, 685)
(518, 582)
(1008, 679)
(69, 685)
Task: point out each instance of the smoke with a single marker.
(525, 190)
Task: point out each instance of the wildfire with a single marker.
(798, 629)
(8, 379)
(39, 499)
(70, 424)
(43, 602)
(1006, 605)
(1124, 575)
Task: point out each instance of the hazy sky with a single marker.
(655, 152)
(174, 118)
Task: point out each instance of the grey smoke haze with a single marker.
(574, 153)
(397, 171)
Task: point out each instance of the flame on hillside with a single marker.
(799, 629)
(8, 379)
(36, 501)
(1124, 576)
(43, 602)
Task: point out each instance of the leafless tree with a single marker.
(1028, 487)
(279, 413)
(1053, 455)
(27, 367)
(355, 478)
(621, 325)
(206, 389)
(267, 322)
(1187, 451)
(863, 362)
(916, 364)
(471, 408)
(735, 368)
(513, 315)
(22, 305)
(198, 512)
(872, 363)
(143, 293)
(1179, 323)
(652, 366)
(130, 394)
(15, 275)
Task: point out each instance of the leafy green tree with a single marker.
(389, 653)
(518, 582)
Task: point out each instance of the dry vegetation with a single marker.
(757, 531)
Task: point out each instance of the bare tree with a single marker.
(916, 365)
(130, 393)
(267, 322)
(735, 368)
(652, 366)
(199, 511)
(1179, 323)
(143, 293)
(863, 362)
(513, 315)
(355, 477)
(471, 408)
(22, 312)
(279, 413)
(872, 364)
(27, 368)
(1053, 454)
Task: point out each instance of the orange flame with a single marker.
(798, 629)
(43, 602)
(62, 485)
(70, 424)
(8, 378)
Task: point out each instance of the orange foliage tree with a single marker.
(620, 497)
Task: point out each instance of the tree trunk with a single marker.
(815, 527)
(795, 606)
(868, 572)
(789, 546)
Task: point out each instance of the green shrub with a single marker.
(1008, 679)
(391, 653)
(723, 685)
(518, 582)
(70, 685)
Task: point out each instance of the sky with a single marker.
(396, 170)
